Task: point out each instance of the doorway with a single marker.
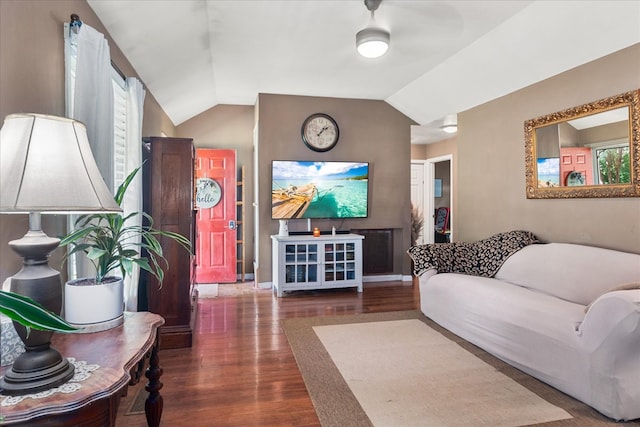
(432, 188)
(216, 234)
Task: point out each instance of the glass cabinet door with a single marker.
(339, 261)
(350, 256)
(301, 263)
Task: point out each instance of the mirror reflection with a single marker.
(592, 150)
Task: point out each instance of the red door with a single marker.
(215, 178)
(577, 162)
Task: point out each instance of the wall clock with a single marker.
(320, 132)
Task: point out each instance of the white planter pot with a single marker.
(94, 306)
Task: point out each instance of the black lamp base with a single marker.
(36, 370)
(40, 367)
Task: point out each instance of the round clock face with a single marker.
(320, 132)
(575, 178)
(208, 193)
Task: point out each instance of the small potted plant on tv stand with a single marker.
(112, 245)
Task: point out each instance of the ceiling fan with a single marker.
(372, 41)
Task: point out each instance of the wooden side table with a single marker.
(116, 351)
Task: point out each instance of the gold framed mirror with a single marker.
(592, 150)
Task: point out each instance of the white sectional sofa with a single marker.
(566, 314)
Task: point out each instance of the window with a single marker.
(119, 128)
(613, 164)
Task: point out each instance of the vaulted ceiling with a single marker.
(445, 56)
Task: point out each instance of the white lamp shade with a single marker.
(46, 165)
(372, 42)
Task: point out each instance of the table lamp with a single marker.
(46, 166)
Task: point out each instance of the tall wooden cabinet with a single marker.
(168, 198)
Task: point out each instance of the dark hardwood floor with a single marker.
(240, 370)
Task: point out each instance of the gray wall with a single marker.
(491, 170)
(370, 131)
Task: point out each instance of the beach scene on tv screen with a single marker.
(549, 172)
(304, 189)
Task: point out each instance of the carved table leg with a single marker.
(153, 404)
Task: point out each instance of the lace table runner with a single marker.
(82, 372)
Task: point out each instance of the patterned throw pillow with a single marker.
(481, 258)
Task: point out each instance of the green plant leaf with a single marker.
(96, 253)
(127, 265)
(76, 235)
(122, 189)
(128, 253)
(31, 314)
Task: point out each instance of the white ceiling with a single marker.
(445, 56)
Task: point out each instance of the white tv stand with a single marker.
(306, 262)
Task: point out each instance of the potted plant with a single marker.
(417, 223)
(111, 243)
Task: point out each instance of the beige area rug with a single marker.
(402, 369)
(404, 373)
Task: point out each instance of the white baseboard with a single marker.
(381, 278)
(387, 278)
(265, 285)
(365, 279)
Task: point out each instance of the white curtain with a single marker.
(90, 92)
(89, 99)
(133, 198)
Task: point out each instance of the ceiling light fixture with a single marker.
(449, 128)
(373, 41)
(450, 124)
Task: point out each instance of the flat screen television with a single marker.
(548, 172)
(306, 189)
